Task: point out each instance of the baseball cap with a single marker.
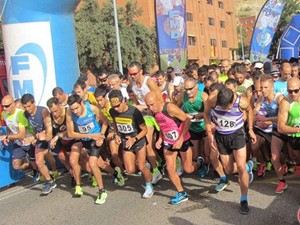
(177, 80)
(258, 65)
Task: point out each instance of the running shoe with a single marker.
(261, 170)
(203, 169)
(93, 181)
(73, 182)
(178, 198)
(36, 176)
(269, 166)
(148, 191)
(179, 169)
(222, 185)
(101, 198)
(244, 208)
(78, 191)
(156, 176)
(255, 166)
(48, 186)
(119, 179)
(54, 174)
(251, 176)
(280, 187)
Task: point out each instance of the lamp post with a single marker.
(118, 38)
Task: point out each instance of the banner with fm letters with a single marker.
(265, 28)
(171, 33)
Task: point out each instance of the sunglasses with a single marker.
(116, 106)
(189, 89)
(296, 91)
(102, 79)
(6, 106)
(134, 74)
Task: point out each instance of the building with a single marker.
(211, 28)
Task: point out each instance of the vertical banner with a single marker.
(171, 33)
(290, 39)
(40, 47)
(265, 28)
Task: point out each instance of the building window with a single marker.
(224, 44)
(221, 5)
(213, 42)
(189, 17)
(191, 40)
(210, 2)
(222, 24)
(211, 21)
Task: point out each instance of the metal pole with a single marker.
(118, 38)
(242, 42)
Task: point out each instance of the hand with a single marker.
(130, 141)
(118, 139)
(212, 141)
(28, 140)
(2, 137)
(99, 142)
(96, 136)
(261, 118)
(252, 136)
(53, 142)
(178, 143)
(158, 143)
(261, 124)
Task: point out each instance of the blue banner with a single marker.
(171, 32)
(290, 39)
(265, 28)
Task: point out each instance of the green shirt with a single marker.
(294, 117)
(194, 108)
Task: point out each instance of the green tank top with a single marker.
(194, 108)
(294, 117)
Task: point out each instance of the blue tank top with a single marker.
(272, 108)
(87, 124)
(36, 121)
(228, 121)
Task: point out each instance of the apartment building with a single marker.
(211, 27)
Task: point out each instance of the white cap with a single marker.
(177, 80)
(258, 65)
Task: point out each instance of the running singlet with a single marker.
(228, 121)
(14, 121)
(128, 122)
(294, 117)
(262, 112)
(36, 121)
(171, 127)
(194, 108)
(87, 124)
(59, 128)
(272, 108)
(141, 92)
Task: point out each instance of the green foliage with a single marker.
(96, 36)
(292, 7)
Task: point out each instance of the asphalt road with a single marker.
(22, 203)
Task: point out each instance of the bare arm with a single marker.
(245, 105)
(283, 115)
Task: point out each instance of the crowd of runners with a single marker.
(230, 118)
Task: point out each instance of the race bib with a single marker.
(226, 123)
(86, 128)
(172, 135)
(124, 128)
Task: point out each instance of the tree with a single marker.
(96, 37)
(292, 7)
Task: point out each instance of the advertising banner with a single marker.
(171, 32)
(265, 28)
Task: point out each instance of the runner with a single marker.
(83, 121)
(130, 132)
(227, 116)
